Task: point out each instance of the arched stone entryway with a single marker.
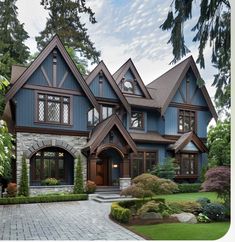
(51, 162)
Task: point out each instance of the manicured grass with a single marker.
(189, 196)
(181, 231)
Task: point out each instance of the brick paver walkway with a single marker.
(84, 220)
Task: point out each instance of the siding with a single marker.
(190, 147)
(203, 119)
(25, 101)
(171, 121)
(107, 90)
(155, 122)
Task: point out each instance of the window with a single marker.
(186, 121)
(137, 120)
(187, 164)
(128, 86)
(53, 109)
(93, 117)
(143, 162)
(106, 111)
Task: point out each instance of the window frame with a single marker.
(190, 118)
(132, 83)
(106, 106)
(144, 155)
(61, 102)
(93, 115)
(142, 121)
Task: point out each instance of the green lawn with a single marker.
(181, 231)
(189, 196)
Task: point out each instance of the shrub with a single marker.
(202, 218)
(214, 211)
(147, 185)
(166, 169)
(90, 186)
(203, 201)
(50, 182)
(24, 181)
(189, 187)
(119, 213)
(218, 180)
(43, 199)
(11, 189)
(185, 206)
(78, 184)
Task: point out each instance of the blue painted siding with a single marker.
(171, 121)
(107, 90)
(130, 76)
(155, 122)
(199, 99)
(190, 147)
(178, 98)
(161, 149)
(203, 119)
(25, 101)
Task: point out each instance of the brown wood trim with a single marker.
(107, 100)
(189, 107)
(51, 131)
(187, 89)
(52, 89)
(46, 76)
(63, 79)
(176, 137)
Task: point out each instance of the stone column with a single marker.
(125, 180)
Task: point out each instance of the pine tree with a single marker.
(78, 184)
(65, 20)
(213, 28)
(24, 180)
(12, 37)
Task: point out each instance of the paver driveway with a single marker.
(83, 220)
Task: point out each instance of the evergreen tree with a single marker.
(78, 184)
(24, 180)
(65, 20)
(213, 28)
(12, 37)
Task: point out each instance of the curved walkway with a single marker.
(83, 220)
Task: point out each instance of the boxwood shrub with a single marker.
(43, 199)
(214, 211)
(189, 187)
(119, 213)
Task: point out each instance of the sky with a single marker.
(126, 29)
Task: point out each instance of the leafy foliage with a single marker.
(189, 187)
(24, 180)
(218, 180)
(219, 142)
(5, 150)
(203, 201)
(202, 218)
(50, 182)
(78, 184)
(12, 37)
(65, 20)
(3, 87)
(137, 190)
(214, 211)
(213, 28)
(165, 169)
(165, 186)
(185, 206)
(119, 213)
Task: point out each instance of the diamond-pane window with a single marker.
(53, 112)
(66, 113)
(41, 110)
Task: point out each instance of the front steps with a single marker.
(109, 198)
(107, 190)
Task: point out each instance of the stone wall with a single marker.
(37, 190)
(30, 143)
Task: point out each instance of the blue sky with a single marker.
(126, 29)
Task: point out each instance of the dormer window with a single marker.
(53, 109)
(128, 86)
(93, 117)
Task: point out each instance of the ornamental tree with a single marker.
(78, 184)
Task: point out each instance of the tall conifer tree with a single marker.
(12, 37)
(65, 20)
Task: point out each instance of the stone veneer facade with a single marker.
(30, 143)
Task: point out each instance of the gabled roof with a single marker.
(55, 42)
(16, 72)
(119, 74)
(164, 87)
(103, 128)
(102, 67)
(150, 137)
(185, 139)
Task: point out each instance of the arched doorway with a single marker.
(52, 162)
(108, 167)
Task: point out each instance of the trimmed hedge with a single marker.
(189, 187)
(119, 213)
(43, 199)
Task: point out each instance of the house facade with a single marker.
(119, 126)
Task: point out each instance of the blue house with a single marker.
(119, 126)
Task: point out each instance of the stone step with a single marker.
(101, 200)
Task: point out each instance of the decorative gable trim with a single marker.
(55, 42)
(102, 67)
(119, 74)
(185, 139)
(103, 128)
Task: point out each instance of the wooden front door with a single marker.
(102, 172)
